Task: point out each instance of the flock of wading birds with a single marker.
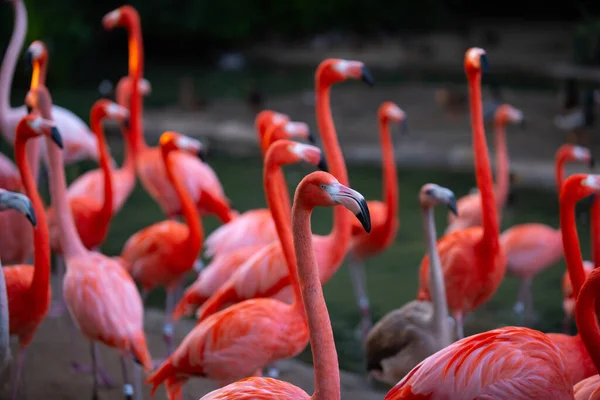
(260, 298)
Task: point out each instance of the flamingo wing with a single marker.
(507, 363)
(254, 227)
(258, 389)
(91, 184)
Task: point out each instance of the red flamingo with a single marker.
(241, 340)
(472, 259)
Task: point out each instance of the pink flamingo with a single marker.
(534, 247)
(101, 297)
(384, 216)
(469, 206)
(265, 275)
(9, 175)
(78, 140)
(200, 179)
(161, 254)
(260, 328)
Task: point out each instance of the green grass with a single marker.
(392, 276)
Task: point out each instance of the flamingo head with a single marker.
(582, 154)
(18, 202)
(335, 70)
(298, 130)
(37, 52)
(286, 152)
(125, 16)
(507, 114)
(33, 125)
(389, 111)
(475, 61)
(323, 189)
(267, 117)
(170, 141)
(104, 108)
(432, 195)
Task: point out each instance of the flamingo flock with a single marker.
(260, 300)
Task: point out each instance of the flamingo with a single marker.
(316, 189)
(469, 206)
(405, 337)
(384, 215)
(9, 175)
(101, 297)
(568, 304)
(28, 286)
(575, 188)
(508, 363)
(200, 179)
(79, 142)
(161, 254)
(20, 203)
(256, 227)
(226, 262)
(534, 247)
(264, 275)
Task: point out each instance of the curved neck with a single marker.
(40, 284)
(595, 230)
(38, 76)
(277, 176)
(325, 360)
(559, 171)
(585, 316)
(436, 279)
(4, 323)
(483, 171)
(281, 219)
(570, 240)
(107, 207)
(11, 56)
(123, 98)
(502, 166)
(136, 72)
(390, 177)
(188, 208)
(69, 239)
(339, 238)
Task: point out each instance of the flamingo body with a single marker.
(567, 289)
(251, 228)
(467, 285)
(153, 255)
(105, 304)
(507, 363)
(579, 362)
(24, 319)
(588, 389)
(531, 248)
(258, 389)
(234, 343)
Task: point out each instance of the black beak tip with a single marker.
(30, 214)
(56, 138)
(202, 154)
(29, 109)
(592, 163)
(367, 77)
(364, 216)
(126, 123)
(311, 138)
(28, 61)
(452, 207)
(483, 61)
(323, 164)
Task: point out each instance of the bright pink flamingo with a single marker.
(78, 140)
(102, 299)
(534, 247)
(266, 275)
(28, 286)
(9, 175)
(472, 259)
(260, 329)
(469, 206)
(161, 254)
(384, 216)
(199, 179)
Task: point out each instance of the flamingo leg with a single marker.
(137, 381)
(94, 353)
(567, 325)
(16, 379)
(359, 281)
(128, 391)
(168, 328)
(58, 307)
(458, 317)
(272, 371)
(100, 373)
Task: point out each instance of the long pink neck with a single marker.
(266, 140)
(136, 72)
(502, 166)
(390, 177)
(595, 230)
(585, 315)
(9, 62)
(281, 219)
(339, 238)
(483, 172)
(70, 241)
(4, 323)
(325, 360)
(123, 97)
(559, 170)
(106, 211)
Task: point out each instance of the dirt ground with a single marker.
(47, 372)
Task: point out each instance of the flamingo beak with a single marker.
(19, 202)
(56, 137)
(311, 138)
(202, 154)
(126, 123)
(404, 128)
(28, 61)
(451, 204)
(29, 108)
(483, 62)
(353, 201)
(592, 163)
(366, 76)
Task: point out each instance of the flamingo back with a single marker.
(507, 363)
(91, 184)
(258, 389)
(254, 227)
(105, 304)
